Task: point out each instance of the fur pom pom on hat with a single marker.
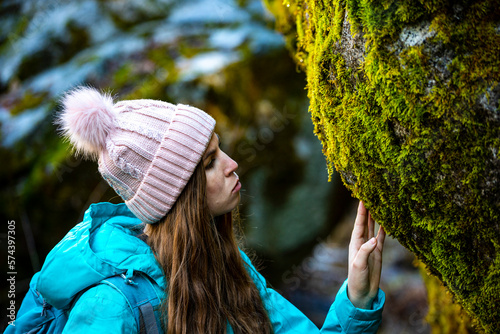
(147, 150)
(87, 120)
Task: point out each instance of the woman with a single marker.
(175, 226)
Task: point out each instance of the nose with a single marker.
(231, 165)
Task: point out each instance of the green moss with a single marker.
(444, 315)
(404, 97)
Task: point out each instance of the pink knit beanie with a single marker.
(146, 149)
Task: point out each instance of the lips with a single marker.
(237, 186)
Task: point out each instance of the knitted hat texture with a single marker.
(147, 150)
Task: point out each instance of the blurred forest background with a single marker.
(222, 56)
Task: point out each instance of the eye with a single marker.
(210, 163)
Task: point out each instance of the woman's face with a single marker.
(223, 186)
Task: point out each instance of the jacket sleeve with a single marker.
(101, 309)
(343, 316)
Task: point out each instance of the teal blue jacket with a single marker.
(105, 243)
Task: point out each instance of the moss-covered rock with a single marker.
(444, 316)
(405, 99)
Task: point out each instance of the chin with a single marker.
(224, 211)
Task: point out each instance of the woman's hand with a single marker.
(365, 260)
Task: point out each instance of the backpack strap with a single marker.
(141, 296)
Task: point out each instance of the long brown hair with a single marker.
(207, 283)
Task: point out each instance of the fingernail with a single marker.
(373, 240)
